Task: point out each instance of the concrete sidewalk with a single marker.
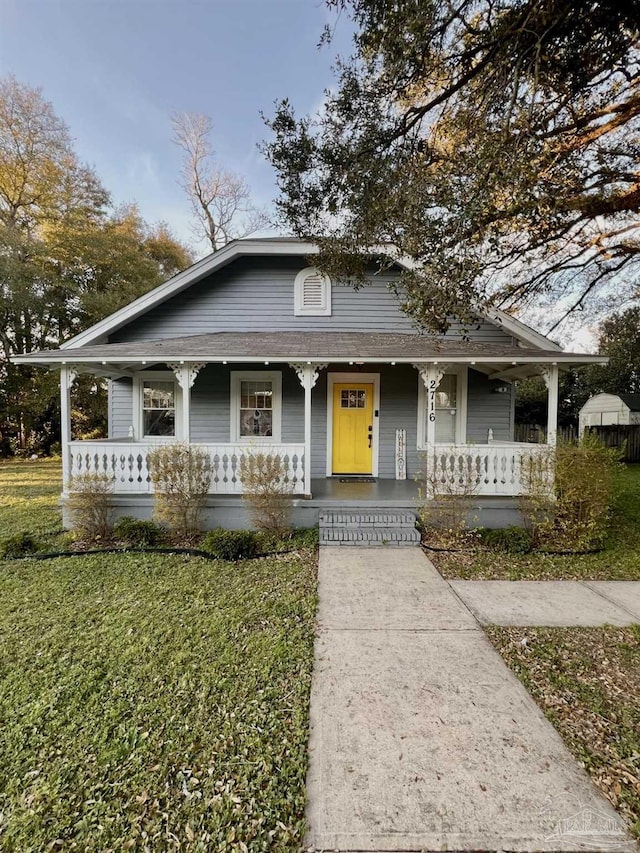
(551, 603)
(421, 738)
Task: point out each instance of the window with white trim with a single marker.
(256, 405)
(450, 409)
(158, 408)
(446, 406)
(157, 401)
(312, 293)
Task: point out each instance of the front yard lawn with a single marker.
(620, 559)
(149, 702)
(587, 682)
(29, 493)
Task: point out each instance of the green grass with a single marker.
(587, 682)
(150, 702)
(620, 559)
(29, 494)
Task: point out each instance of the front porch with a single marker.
(382, 496)
(383, 405)
(490, 470)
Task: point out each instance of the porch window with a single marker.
(255, 406)
(447, 409)
(450, 410)
(158, 408)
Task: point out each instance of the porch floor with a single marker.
(329, 491)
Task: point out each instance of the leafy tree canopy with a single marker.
(494, 142)
(67, 258)
(620, 340)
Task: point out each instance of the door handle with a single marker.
(370, 435)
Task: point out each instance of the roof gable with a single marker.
(254, 247)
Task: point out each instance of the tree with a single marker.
(66, 259)
(493, 142)
(532, 397)
(220, 199)
(620, 340)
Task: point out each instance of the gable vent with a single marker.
(312, 293)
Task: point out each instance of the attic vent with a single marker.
(312, 293)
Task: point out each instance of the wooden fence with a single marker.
(537, 435)
(617, 435)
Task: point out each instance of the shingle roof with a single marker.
(291, 346)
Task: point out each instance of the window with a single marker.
(157, 401)
(158, 408)
(312, 293)
(353, 398)
(447, 409)
(255, 406)
(450, 409)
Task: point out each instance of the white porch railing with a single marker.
(126, 463)
(488, 469)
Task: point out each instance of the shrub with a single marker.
(89, 505)
(230, 544)
(574, 515)
(513, 540)
(135, 531)
(18, 545)
(307, 537)
(181, 475)
(267, 490)
(445, 496)
(272, 543)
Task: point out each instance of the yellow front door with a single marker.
(352, 428)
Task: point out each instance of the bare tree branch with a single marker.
(220, 199)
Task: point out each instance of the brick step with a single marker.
(347, 518)
(380, 536)
(368, 527)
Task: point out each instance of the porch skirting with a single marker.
(230, 511)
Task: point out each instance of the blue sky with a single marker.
(115, 70)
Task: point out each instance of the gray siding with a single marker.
(120, 407)
(398, 410)
(211, 403)
(488, 410)
(255, 294)
(211, 396)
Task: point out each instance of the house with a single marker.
(252, 347)
(609, 409)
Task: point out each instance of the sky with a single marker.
(115, 71)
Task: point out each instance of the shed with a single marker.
(610, 409)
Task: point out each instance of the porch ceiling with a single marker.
(332, 347)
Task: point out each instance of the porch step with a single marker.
(358, 527)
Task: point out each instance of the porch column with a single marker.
(67, 377)
(186, 373)
(308, 375)
(550, 376)
(431, 374)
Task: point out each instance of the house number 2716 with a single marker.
(432, 399)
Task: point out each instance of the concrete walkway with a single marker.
(551, 603)
(421, 738)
